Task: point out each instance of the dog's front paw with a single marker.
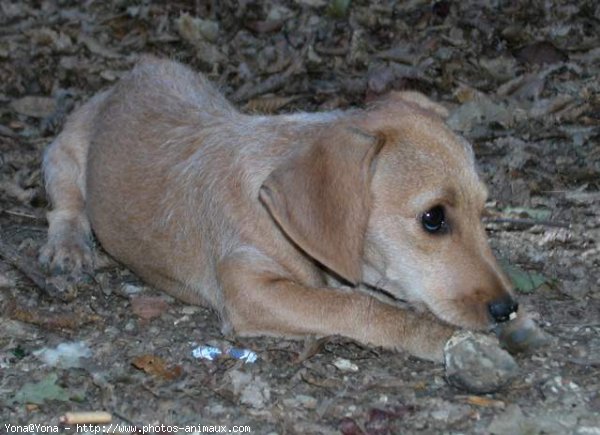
(476, 363)
(67, 255)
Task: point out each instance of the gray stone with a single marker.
(522, 335)
(252, 390)
(476, 363)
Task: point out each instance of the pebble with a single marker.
(251, 389)
(345, 365)
(477, 364)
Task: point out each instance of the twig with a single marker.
(269, 85)
(24, 215)
(32, 272)
(525, 221)
(583, 362)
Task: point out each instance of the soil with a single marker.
(521, 82)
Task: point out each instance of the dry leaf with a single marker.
(539, 53)
(484, 402)
(96, 47)
(380, 79)
(265, 26)
(36, 107)
(148, 307)
(51, 320)
(312, 346)
(548, 106)
(156, 366)
(195, 30)
(267, 105)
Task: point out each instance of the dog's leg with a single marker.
(259, 302)
(68, 248)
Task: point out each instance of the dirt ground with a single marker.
(521, 80)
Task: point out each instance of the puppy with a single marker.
(362, 223)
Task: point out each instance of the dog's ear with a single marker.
(419, 100)
(321, 199)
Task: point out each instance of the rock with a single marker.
(194, 29)
(6, 281)
(345, 365)
(301, 401)
(476, 363)
(510, 421)
(514, 421)
(483, 112)
(256, 394)
(252, 390)
(447, 412)
(522, 335)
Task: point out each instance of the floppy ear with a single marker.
(417, 99)
(321, 198)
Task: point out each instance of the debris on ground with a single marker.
(211, 353)
(65, 355)
(519, 80)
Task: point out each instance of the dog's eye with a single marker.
(433, 220)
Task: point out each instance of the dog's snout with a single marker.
(503, 309)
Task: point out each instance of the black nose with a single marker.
(502, 309)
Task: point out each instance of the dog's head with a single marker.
(391, 198)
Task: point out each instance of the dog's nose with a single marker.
(503, 309)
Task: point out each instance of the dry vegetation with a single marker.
(522, 82)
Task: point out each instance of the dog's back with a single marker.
(171, 177)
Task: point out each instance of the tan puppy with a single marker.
(364, 223)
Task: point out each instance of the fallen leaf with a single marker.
(156, 366)
(312, 346)
(379, 419)
(380, 79)
(441, 8)
(500, 68)
(19, 352)
(59, 41)
(482, 111)
(51, 320)
(548, 106)
(268, 104)
(265, 26)
(402, 54)
(338, 8)
(533, 213)
(195, 30)
(36, 107)
(484, 402)
(96, 47)
(539, 53)
(525, 282)
(39, 392)
(148, 307)
(312, 3)
(349, 427)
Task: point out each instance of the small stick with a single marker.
(89, 417)
(524, 221)
(24, 215)
(270, 84)
(31, 271)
